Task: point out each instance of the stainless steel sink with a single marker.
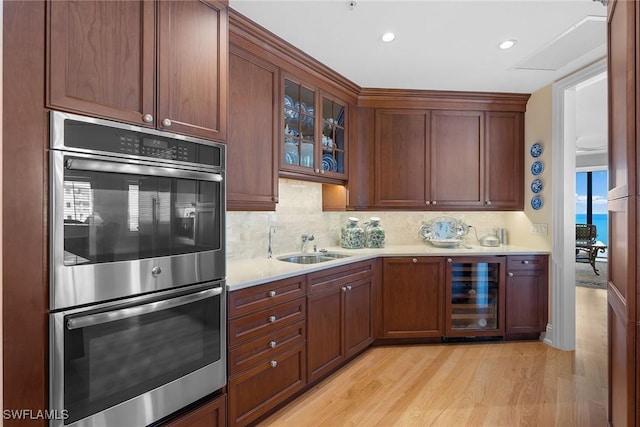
(312, 258)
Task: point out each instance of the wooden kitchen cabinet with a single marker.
(402, 151)
(314, 132)
(266, 347)
(209, 414)
(154, 64)
(339, 316)
(504, 160)
(457, 154)
(413, 297)
(252, 149)
(446, 160)
(526, 296)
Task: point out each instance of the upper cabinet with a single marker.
(504, 160)
(314, 125)
(252, 146)
(155, 64)
(438, 151)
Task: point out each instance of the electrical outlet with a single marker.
(539, 229)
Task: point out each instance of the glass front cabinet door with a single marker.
(313, 132)
(475, 297)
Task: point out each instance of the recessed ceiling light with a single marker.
(388, 37)
(507, 44)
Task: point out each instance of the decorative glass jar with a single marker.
(352, 235)
(374, 233)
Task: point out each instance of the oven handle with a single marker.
(137, 169)
(111, 316)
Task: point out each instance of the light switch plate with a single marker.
(539, 229)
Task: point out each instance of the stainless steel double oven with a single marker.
(137, 290)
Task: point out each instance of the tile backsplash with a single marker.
(299, 211)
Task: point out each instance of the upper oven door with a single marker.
(125, 227)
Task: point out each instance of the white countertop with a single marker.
(255, 271)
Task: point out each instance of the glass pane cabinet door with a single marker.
(299, 125)
(333, 129)
(475, 298)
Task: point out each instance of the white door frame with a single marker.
(561, 333)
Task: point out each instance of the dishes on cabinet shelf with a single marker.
(290, 153)
(329, 163)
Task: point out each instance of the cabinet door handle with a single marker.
(344, 289)
(272, 344)
(449, 260)
(272, 293)
(273, 363)
(427, 203)
(434, 202)
(414, 260)
(525, 261)
(488, 202)
(166, 123)
(510, 274)
(147, 118)
(348, 287)
(272, 319)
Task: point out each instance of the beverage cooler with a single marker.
(475, 297)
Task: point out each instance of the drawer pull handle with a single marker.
(273, 363)
(414, 260)
(272, 293)
(272, 319)
(510, 274)
(344, 289)
(525, 261)
(449, 260)
(348, 287)
(272, 344)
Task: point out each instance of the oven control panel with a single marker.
(133, 142)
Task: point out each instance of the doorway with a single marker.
(562, 333)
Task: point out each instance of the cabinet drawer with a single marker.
(526, 262)
(264, 386)
(264, 347)
(209, 414)
(248, 300)
(337, 276)
(265, 321)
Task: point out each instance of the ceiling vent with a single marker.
(580, 39)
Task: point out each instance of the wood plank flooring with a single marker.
(488, 384)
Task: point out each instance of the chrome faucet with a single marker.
(305, 239)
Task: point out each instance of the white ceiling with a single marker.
(440, 45)
(453, 45)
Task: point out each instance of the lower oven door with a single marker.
(134, 362)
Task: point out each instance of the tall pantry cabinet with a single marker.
(623, 28)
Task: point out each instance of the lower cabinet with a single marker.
(260, 388)
(267, 347)
(527, 296)
(209, 414)
(412, 297)
(339, 317)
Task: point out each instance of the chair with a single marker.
(586, 242)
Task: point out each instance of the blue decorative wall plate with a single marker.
(536, 150)
(536, 202)
(537, 167)
(536, 185)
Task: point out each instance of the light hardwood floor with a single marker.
(489, 384)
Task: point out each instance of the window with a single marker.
(591, 201)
